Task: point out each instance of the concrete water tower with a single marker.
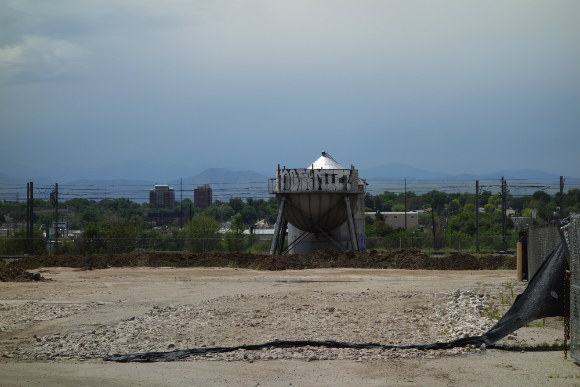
(322, 205)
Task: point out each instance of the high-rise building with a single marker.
(162, 196)
(202, 197)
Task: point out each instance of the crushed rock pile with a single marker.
(411, 259)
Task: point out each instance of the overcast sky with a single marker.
(448, 86)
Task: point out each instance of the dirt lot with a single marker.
(63, 324)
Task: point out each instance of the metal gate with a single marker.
(573, 239)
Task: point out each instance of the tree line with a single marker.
(451, 214)
(120, 225)
(454, 214)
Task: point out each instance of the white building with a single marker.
(397, 219)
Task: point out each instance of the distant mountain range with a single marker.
(140, 171)
(117, 180)
(131, 170)
(402, 171)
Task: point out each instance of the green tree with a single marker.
(398, 208)
(237, 205)
(466, 198)
(234, 238)
(494, 199)
(369, 200)
(220, 211)
(92, 239)
(484, 197)
(542, 196)
(379, 228)
(469, 207)
(121, 235)
(90, 215)
(435, 199)
(453, 207)
(16, 244)
(249, 215)
(203, 232)
(489, 208)
(489, 224)
(271, 210)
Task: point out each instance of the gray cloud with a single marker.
(456, 86)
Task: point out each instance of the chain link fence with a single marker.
(540, 241)
(573, 238)
(87, 246)
(444, 243)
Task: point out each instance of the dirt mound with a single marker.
(412, 259)
(8, 273)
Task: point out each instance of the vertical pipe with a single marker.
(477, 216)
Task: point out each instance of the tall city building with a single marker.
(162, 196)
(202, 196)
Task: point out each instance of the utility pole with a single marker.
(55, 198)
(477, 216)
(503, 212)
(561, 197)
(31, 247)
(28, 218)
(405, 203)
(435, 244)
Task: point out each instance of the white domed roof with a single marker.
(325, 162)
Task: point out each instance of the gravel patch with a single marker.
(254, 319)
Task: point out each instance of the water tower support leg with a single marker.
(340, 247)
(351, 230)
(279, 231)
(295, 242)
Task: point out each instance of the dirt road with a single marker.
(54, 332)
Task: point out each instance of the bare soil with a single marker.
(12, 273)
(412, 259)
(135, 285)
